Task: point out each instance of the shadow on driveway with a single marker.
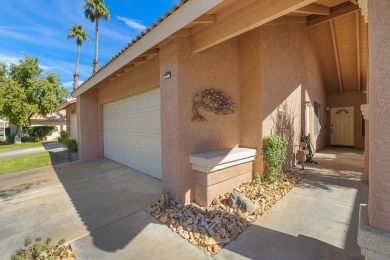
(97, 205)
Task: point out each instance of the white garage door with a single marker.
(73, 126)
(132, 133)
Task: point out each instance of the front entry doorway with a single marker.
(342, 126)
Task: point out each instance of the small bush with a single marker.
(70, 146)
(257, 178)
(37, 133)
(42, 250)
(274, 153)
(63, 136)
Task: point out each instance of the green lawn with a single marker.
(25, 162)
(4, 147)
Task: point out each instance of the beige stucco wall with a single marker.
(88, 124)
(143, 78)
(70, 110)
(251, 109)
(350, 99)
(263, 70)
(290, 76)
(379, 118)
(219, 68)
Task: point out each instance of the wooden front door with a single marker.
(342, 126)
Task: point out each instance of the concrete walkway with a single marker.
(318, 219)
(97, 204)
(53, 147)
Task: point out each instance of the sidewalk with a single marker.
(53, 147)
(318, 219)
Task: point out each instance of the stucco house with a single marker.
(57, 120)
(3, 125)
(70, 109)
(288, 65)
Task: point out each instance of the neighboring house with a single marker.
(3, 125)
(57, 120)
(70, 108)
(289, 65)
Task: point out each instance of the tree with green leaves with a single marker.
(94, 10)
(77, 31)
(24, 91)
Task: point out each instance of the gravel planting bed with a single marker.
(211, 228)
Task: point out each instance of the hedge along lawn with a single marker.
(4, 147)
(25, 162)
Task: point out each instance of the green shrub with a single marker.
(37, 133)
(27, 134)
(41, 132)
(257, 179)
(63, 136)
(42, 250)
(70, 145)
(274, 153)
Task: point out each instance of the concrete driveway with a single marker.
(53, 147)
(98, 205)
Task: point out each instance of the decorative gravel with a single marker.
(212, 228)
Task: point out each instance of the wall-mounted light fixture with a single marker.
(327, 109)
(167, 75)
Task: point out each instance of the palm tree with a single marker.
(77, 31)
(94, 10)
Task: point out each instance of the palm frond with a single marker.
(77, 31)
(96, 9)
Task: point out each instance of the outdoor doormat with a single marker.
(212, 228)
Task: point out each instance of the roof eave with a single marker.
(177, 20)
(64, 104)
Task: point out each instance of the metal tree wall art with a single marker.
(212, 100)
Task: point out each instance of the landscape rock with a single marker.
(240, 201)
(222, 231)
(216, 248)
(212, 228)
(212, 241)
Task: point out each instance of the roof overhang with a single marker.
(187, 13)
(64, 104)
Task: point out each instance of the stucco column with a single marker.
(169, 89)
(218, 68)
(251, 95)
(374, 230)
(379, 100)
(88, 120)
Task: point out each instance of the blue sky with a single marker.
(39, 28)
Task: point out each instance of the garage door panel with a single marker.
(154, 99)
(154, 144)
(132, 133)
